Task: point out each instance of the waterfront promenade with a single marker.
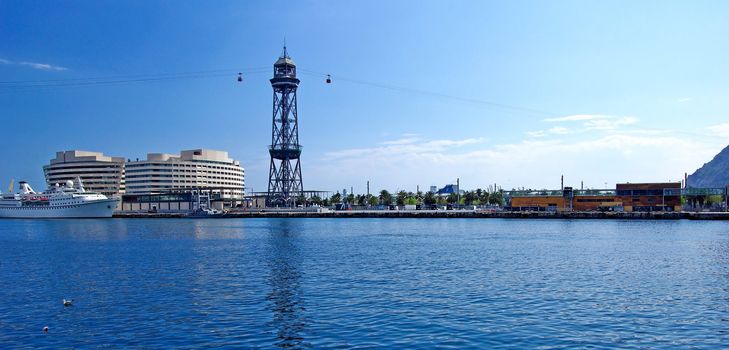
(476, 214)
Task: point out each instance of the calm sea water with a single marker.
(364, 283)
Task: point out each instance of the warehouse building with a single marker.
(563, 200)
(625, 197)
(664, 196)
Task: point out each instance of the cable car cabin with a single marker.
(329, 79)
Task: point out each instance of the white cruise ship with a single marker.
(67, 201)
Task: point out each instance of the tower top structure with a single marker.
(285, 60)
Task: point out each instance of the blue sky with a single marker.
(515, 93)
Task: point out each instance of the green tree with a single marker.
(484, 197)
(429, 198)
(385, 197)
(373, 200)
(401, 197)
(336, 198)
(316, 200)
(411, 201)
(452, 198)
(496, 198)
(469, 197)
(350, 198)
(301, 200)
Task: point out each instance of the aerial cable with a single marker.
(142, 78)
(329, 77)
(130, 78)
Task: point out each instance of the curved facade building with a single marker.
(192, 169)
(99, 173)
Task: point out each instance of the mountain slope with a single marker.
(714, 173)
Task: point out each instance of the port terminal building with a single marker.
(164, 182)
(170, 182)
(98, 172)
(191, 169)
(627, 197)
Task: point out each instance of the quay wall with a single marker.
(450, 214)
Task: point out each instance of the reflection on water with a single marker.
(82, 229)
(285, 299)
(364, 283)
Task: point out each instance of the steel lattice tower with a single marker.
(284, 179)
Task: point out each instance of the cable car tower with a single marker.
(284, 179)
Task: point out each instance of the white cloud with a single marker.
(559, 130)
(402, 146)
(588, 122)
(719, 130)
(453, 143)
(35, 65)
(43, 66)
(684, 99)
(609, 123)
(603, 156)
(578, 117)
(403, 141)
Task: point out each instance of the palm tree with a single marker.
(401, 197)
(496, 198)
(301, 200)
(336, 198)
(385, 197)
(469, 197)
(452, 198)
(429, 198)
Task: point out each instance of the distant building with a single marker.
(433, 189)
(98, 173)
(650, 196)
(625, 197)
(448, 189)
(563, 200)
(192, 169)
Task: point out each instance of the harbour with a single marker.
(364, 175)
(363, 283)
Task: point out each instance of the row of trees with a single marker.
(477, 197)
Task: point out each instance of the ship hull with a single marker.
(96, 209)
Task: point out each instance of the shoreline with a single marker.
(447, 214)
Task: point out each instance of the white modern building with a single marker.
(192, 169)
(99, 173)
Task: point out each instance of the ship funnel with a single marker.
(25, 188)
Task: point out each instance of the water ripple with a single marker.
(364, 284)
